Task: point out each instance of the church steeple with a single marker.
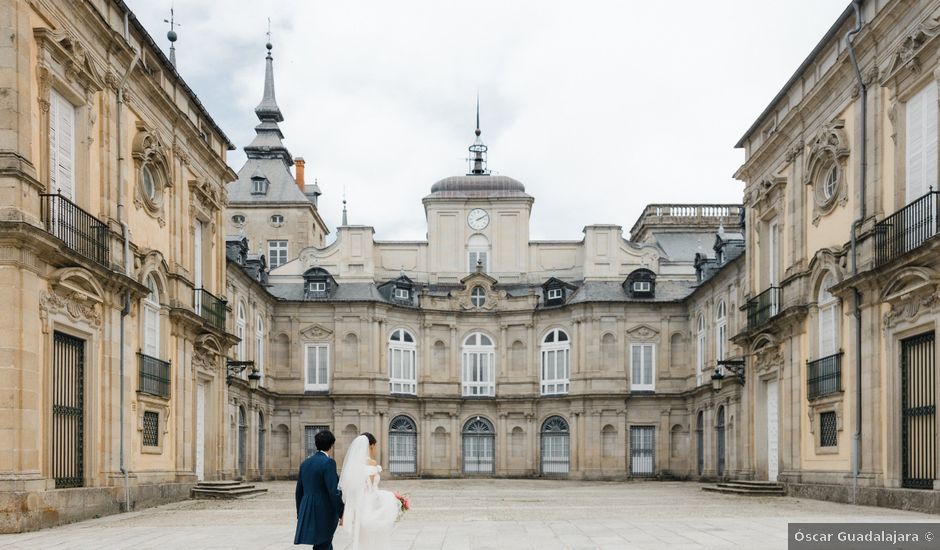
(478, 150)
(267, 142)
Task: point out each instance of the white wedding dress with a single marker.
(370, 512)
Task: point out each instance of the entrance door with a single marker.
(478, 445)
(700, 442)
(642, 451)
(556, 446)
(68, 411)
(402, 446)
(773, 450)
(918, 412)
(720, 442)
(200, 431)
(242, 441)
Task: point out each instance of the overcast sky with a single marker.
(599, 108)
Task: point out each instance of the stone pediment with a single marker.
(315, 331)
(643, 332)
(478, 278)
(906, 52)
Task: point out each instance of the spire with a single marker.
(267, 110)
(478, 150)
(345, 222)
(171, 35)
(267, 143)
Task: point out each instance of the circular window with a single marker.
(277, 220)
(238, 219)
(150, 186)
(832, 180)
(478, 296)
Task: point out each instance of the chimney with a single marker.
(299, 172)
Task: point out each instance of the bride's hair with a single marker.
(370, 437)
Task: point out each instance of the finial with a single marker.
(268, 45)
(478, 150)
(477, 132)
(345, 222)
(171, 34)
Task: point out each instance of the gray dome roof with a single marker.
(478, 186)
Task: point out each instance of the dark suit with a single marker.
(319, 502)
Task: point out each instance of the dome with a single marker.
(478, 186)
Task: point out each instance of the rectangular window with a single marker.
(259, 354)
(61, 145)
(402, 293)
(555, 294)
(642, 451)
(277, 253)
(151, 432)
(721, 340)
(773, 253)
(642, 361)
(197, 263)
(316, 367)
(317, 287)
(642, 286)
(828, 429)
(921, 145)
(474, 257)
(827, 330)
(151, 330)
(700, 359)
(310, 432)
(479, 374)
(402, 371)
(555, 370)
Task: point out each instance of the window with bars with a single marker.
(828, 429)
(151, 429)
(310, 433)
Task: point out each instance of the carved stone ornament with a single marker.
(464, 296)
(827, 157)
(315, 332)
(149, 154)
(767, 358)
(75, 306)
(906, 53)
(207, 194)
(61, 52)
(643, 332)
(910, 307)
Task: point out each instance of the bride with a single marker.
(370, 512)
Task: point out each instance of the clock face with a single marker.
(478, 218)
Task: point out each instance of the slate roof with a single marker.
(604, 291)
(345, 292)
(478, 186)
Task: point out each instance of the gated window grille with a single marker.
(828, 429)
(261, 432)
(918, 412)
(403, 446)
(242, 440)
(642, 451)
(151, 429)
(211, 308)
(907, 228)
(310, 432)
(720, 441)
(824, 376)
(700, 442)
(68, 411)
(153, 376)
(79, 230)
(478, 447)
(555, 446)
(764, 306)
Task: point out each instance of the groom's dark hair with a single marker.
(324, 440)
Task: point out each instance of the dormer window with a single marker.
(259, 186)
(641, 284)
(556, 294)
(316, 287)
(402, 294)
(318, 283)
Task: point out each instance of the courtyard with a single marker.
(482, 513)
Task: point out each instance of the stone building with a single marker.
(842, 264)
(112, 268)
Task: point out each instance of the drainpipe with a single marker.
(125, 235)
(857, 296)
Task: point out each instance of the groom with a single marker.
(319, 500)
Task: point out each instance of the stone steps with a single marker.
(225, 490)
(747, 488)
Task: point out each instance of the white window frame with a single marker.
(403, 377)
(478, 368)
(316, 286)
(277, 222)
(828, 312)
(642, 286)
(721, 330)
(478, 249)
(640, 383)
(151, 319)
(700, 351)
(921, 143)
(62, 117)
(555, 356)
(259, 347)
(402, 293)
(321, 378)
(474, 296)
(773, 254)
(240, 329)
(277, 253)
(555, 294)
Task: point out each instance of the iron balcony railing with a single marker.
(154, 376)
(764, 306)
(907, 229)
(824, 376)
(79, 230)
(210, 307)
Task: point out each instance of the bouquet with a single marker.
(403, 502)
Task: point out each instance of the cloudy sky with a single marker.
(599, 108)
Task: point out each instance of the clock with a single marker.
(478, 219)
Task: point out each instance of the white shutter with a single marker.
(648, 364)
(197, 255)
(930, 137)
(921, 143)
(151, 331)
(827, 330)
(53, 141)
(61, 145)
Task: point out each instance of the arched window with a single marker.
(721, 330)
(240, 332)
(556, 363)
(402, 363)
(700, 351)
(478, 253)
(720, 441)
(259, 347)
(402, 445)
(555, 446)
(828, 306)
(151, 327)
(479, 366)
(479, 440)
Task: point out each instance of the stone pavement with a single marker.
(482, 514)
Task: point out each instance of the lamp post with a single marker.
(234, 368)
(735, 366)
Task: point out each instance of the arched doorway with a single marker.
(555, 446)
(700, 442)
(720, 442)
(402, 446)
(242, 440)
(260, 443)
(479, 441)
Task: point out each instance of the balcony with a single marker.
(906, 229)
(79, 230)
(210, 307)
(763, 306)
(154, 377)
(824, 376)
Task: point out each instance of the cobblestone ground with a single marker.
(484, 514)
